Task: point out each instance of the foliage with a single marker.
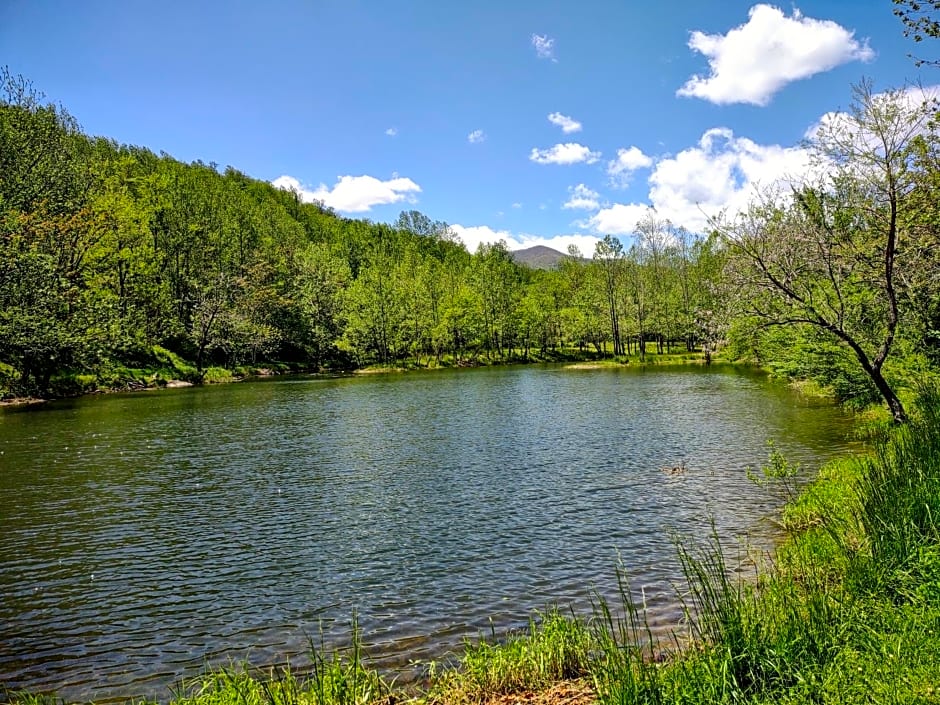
(778, 472)
(113, 258)
(840, 254)
(918, 22)
(110, 252)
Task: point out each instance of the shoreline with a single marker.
(803, 387)
(23, 401)
(151, 380)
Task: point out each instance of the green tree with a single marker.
(918, 22)
(317, 292)
(829, 257)
(713, 294)
(608, 259)
(497, 279)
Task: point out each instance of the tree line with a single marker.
(108, 250)
(112, 255)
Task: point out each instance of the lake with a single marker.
(145, 535)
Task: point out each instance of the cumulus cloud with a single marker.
(353, 194)
(753, 61)
(581, 197)
(544, 46)
(618, 219)
(915, 100)
(476, 137)
(724, 172)
(565, 122)
(721, 173)
(392, 131)
(473, 236)
(628, 160)
(568, 153)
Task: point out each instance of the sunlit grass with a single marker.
(553, 648)
(335, 678)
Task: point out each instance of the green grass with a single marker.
(548, 355)
(334, 678)
(848, 613)
(554, 648)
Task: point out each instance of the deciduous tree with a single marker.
(828, 256)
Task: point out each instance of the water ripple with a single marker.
(145, 535)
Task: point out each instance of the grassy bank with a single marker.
(586, 359)
(163, 368)
(847, 612)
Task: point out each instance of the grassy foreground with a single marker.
(847, 612)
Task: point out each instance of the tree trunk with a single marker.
(881, 384)
(891, 399)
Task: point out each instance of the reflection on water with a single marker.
(145, 535)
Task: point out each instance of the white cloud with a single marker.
(721, 173)
(476, 235)
(544, 46)
(627, 161)
(476, 137)
(517, 205)
(566, 123)
(922, 100)
(472, 237)
(753, 61)
(582, 198)
(568, 153)
(618, 219)
(354, 194)
(392, 131)
(724, 172)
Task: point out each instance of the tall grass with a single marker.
(554, 647)
(335, 678)
(899, 497)
(624, 669)
(237, 685)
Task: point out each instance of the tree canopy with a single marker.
(115, 258)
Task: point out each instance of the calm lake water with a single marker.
(143, 536)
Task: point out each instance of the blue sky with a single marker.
(534, 122)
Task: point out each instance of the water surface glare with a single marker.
(143, 536)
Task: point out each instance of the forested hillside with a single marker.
(116, 262)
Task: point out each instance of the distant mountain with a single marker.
(538, 257)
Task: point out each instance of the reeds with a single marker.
(848, 613)
(553, 648)
(335, 678)
(625, 668)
